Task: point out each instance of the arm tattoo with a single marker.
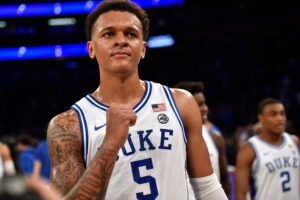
(64, 148)
(68, 173)
(94, 182)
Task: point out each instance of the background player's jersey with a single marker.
(152, 163)
(275, 171)
(212, 150)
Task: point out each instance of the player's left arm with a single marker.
(205, 183)
(224, 175)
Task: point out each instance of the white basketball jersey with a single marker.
(212, 150)
(152, 163)
(275, 170)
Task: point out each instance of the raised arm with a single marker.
(68, 173)
(224, 176)
(245, 158)
(205, 183)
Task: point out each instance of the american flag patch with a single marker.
(159, 107)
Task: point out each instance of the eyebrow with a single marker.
(111, 28)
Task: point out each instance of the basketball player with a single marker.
(214, 140)
(7, 166)
(129, 139)
(269, 163)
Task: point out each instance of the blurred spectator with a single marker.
(26, 153)
(19, 187)
(257, 128)
(42, 164)
(7, 166)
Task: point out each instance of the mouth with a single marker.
(281, 126)
(120, 54)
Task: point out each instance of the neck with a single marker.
(275, 139)
(120, 91)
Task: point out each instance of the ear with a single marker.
(144, 50)
(91, 49)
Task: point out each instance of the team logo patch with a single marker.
(159, 107)
(163, 118)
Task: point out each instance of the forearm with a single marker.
(36, 169)
(93, 183)
(208, 188)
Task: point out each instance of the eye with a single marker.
(132, 35)
(108, 34)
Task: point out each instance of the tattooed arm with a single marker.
(68, 173)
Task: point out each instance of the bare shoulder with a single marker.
(246, 154)
(64, 122)
(185, 102)
(64, 129)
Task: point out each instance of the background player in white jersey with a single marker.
(117, 31)
(268, 163)
(214, 140)
(7, 166)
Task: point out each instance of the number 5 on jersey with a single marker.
(145, 179)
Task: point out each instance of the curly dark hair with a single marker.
(192, 86)
(117, 5)
(265, 102)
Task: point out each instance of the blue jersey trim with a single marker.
(282, 145)
(84, 130)
(253, 189)
(96, 103)
(145, 98)
(136, 108)
(175, 110)
(256, 168)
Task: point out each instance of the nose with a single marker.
(121, 40)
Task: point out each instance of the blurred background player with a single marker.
(25, 147)
(214, 140)
(42, 163)
(269, 162)
(7, 166)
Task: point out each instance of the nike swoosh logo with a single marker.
(99, 127)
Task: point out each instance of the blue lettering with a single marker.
(270, 167)
(286, 162)
(278, 163)
(296, 161)
(164, 138)
(131, 146)
(145, 139)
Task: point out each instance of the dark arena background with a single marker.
(242, 50)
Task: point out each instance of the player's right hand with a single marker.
(118, 120)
